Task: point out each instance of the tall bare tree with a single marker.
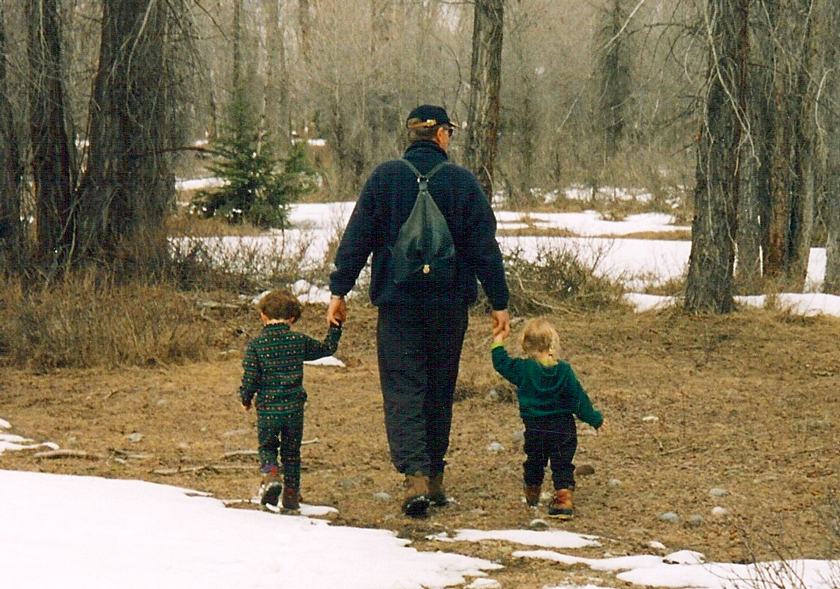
(485, 87)
(828, 118)
(790, 221)
(710, 272)
(305, 29)
(755, 196)
(612, 73)
(52, 147)
(127, 187)
(10, 163)
(276, 96)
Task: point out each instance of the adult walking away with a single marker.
(421, 325)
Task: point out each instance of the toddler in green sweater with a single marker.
(550, 397)
(273, 377)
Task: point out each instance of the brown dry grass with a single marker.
(746, 402)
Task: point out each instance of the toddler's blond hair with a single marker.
(540, 337)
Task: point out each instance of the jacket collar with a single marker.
(418, 146)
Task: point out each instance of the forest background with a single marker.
(724, 110)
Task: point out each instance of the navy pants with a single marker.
(553, 440)
(284, 433)
(419, 350)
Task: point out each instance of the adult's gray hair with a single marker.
(422, 133)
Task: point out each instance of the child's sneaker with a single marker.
(271, 488)
(561, 506)
(291, 499)
(532, 494)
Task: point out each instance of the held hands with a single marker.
(337, 311)
(604, 427)
(501, 325)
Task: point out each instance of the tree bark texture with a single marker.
(276, 96)
(790, 223)
(709, 286)
(754, 206)
(829, 129)
(485, 86)
(51, 143)
(305, 29)
(10, 165)
(127, 187)
(613, 75)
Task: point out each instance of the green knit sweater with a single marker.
(545, 390)
(273, 367)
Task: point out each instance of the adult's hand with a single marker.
(337, 311)
(501, 323)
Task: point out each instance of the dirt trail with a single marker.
(747, 404)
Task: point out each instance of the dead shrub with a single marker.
(84, 321)
(557, 279)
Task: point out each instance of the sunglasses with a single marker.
(449, 130)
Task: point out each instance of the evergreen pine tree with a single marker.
(258, 186)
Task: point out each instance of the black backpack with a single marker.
(424, 252)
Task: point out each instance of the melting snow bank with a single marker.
(69, 531)
(13, 442)
(808, 304)
(686, 569)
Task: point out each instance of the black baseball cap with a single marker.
(428, 115)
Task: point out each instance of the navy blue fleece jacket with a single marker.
(383, 206)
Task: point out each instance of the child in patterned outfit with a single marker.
(273, 373)
(550, 397)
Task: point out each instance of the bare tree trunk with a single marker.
(754, 208)
(792, 198)
(804, 195)
(710, 272)
(485, 86)
(10, 164)
(383, 97)
(51, 144)
(831, 283)
(236, 75)
(613, 74)
(305, 29)
(829, 115)
(276, 96)
(127, 186)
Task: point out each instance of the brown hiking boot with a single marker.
(416, 500)
(291, 499)
(561, 506)
(532, 494)
(437, 494)
(271, 488)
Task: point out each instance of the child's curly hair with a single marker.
(280, 304)
(540, 337)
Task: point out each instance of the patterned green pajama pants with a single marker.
(283, 433)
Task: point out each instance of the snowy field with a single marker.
(636, 263)
(82, 532)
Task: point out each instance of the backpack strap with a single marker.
(420, 177)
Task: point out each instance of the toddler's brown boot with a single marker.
(291, 499)
(416, 500)
(561, 506)
(532, 494)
